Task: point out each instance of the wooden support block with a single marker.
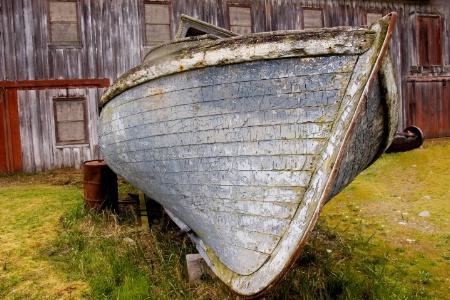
(154, 210)
(197, 268)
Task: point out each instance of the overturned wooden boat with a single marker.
(243, 139)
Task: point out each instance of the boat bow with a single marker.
(244, 139)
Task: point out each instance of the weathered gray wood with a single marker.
(216, 143)
(266, 120)
(35, 116)
(25, 133)
(37, 127)
(47, 129)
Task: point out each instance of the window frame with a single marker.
(83, 100)
(144, 23)
(64, 44)
(367, 12)
(240, 5)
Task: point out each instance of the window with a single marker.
(240, 19)
(429, 40)
(312, 18)
(157, 23)
(372, 17)
(64, 23)
(70, 120)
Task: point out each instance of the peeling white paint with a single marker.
(221, 165)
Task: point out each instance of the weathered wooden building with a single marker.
(57, 57)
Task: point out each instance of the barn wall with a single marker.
(112, 42)
(112, 33)
(37, 128)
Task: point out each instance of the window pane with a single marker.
(430, 40)
(64, 32)
(241, 29)
(63, 11)
(373, 17)
(157, 33)
(240, 16)
(312, 18)
(69, 110)
(71, 132)
(157, 14)
(70, 120)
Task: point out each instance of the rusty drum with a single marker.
(100, 186)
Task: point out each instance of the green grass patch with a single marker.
(29, 215)
(401, 205)
(125, 262)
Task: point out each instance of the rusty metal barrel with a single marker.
(100, 186)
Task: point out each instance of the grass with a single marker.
(385, 203)
(30, 212)
(126, 262)
(371, 241)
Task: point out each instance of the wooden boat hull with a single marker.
(243, 140)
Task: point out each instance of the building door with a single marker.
(429, 105)
(10, 150)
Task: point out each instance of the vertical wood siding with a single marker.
(112, 34)
(112, 31)
(37, 127)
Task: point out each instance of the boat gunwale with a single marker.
(200, 52)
